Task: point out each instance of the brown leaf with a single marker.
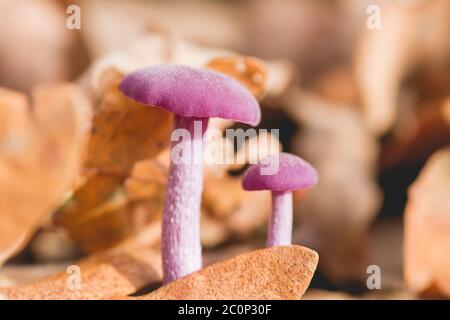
(427, 229)
(116, 203)
(250, 71)
(106, 210)
(102, 276)
(124, 132)
(41, 151)
(272, 273)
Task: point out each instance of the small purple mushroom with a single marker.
(291, 173)
(194, 96)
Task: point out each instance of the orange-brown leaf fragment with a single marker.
(272, 273)
(427, 229)
(125, 132)
(41, 151)
(249, 71)
(101, 276)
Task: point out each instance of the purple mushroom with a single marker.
(194, 96)
(287, 173)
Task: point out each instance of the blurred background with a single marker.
(360, 89)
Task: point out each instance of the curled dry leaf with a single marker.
(427, 229)
(108, 210)
(248, 70)
(337, 212)
(100, 277)
(124, 132)
(108, 207)
(273, 273)
(41, 151)
(412, 33)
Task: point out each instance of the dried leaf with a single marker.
(41, 152)
(106, 211)
(427, 229)
(272, 273)
(102, 276)
(248, 70)
(111, 206)
(125, 132)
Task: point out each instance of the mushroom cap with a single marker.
(293, 173)
(192, 92)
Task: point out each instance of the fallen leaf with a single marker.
(427, 229)
(114, 203)
(101, 276)
(106, 211)
(124, 132)
(272, 273)
(250, 71)
(41, 151)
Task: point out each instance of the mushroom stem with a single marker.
(181, 247)
(280, 225)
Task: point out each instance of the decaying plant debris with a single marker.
(42, 150)
(83, 168)
(427, 219)
(293, 267)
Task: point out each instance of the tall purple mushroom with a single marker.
(194, 96)
(292, 173)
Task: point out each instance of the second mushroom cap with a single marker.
(287, 173)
